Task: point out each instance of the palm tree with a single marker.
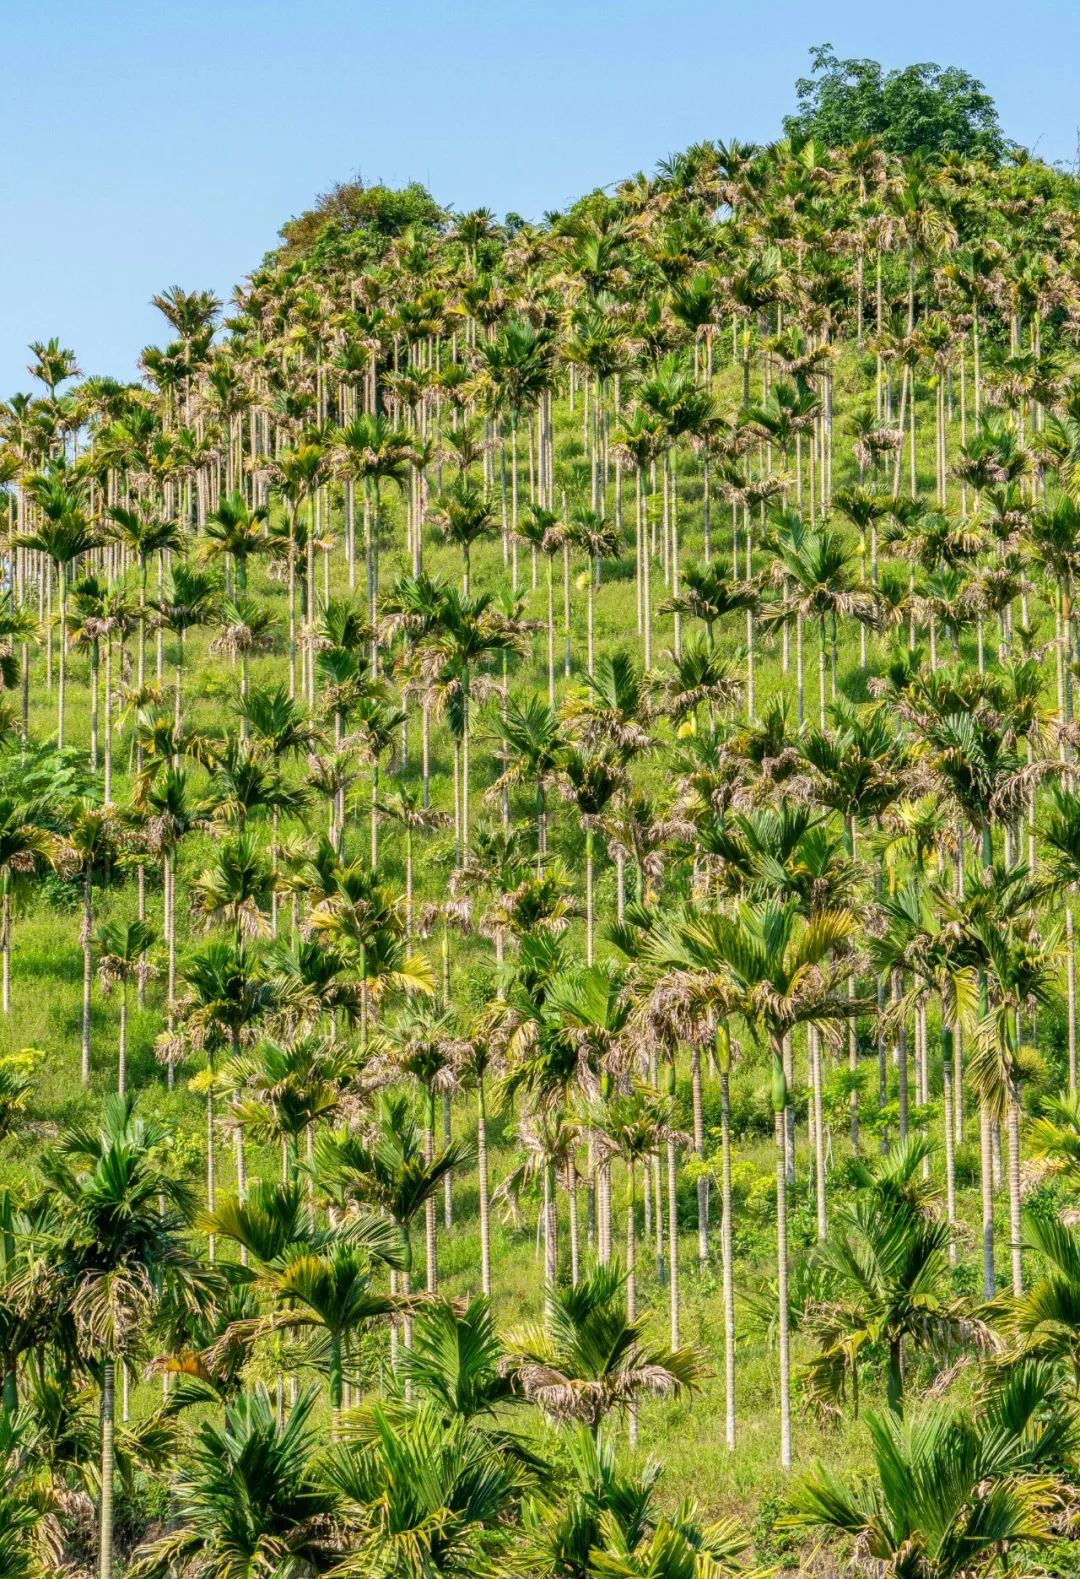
(169, 817)
(371, 450)
(516, 370)
(404, 805)
(597, 539)
(119, 1248)
(141, 535)
(189, 601)
(237, 531)
(531, 750)
(284, 1091)
(390, 1172)
(632, 1128)
(227, 1000)
(300, 473)
(776, 971)
(951, 1493)
(590, 781)
(463, 515)
(90, 843)
(589, 1358)
(234, 889)
(886, 1260)
(817, 567)
(327, 1291)
(121, 952)
(247, 1496)
(423, 1499)
(471, 630)
(544, 532)
(64, 534)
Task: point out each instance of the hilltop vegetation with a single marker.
(538, 847)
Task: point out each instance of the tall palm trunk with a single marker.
(61, 692)
(631, 1270)
(551, 1259)
(819, 1135)
(986, 1171)
(727, 1268)
(482, 1180)
(5, 939)
(430, 1224)
(108, 1411)
(1012, 1124)
(335, 1379)
(88, 972)
(122, 1058)
(673, 1241)
(699, 1153)
(947, 1056)
(783, 1339)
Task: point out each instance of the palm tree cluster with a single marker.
(406, 685)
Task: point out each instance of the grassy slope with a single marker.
(46, 1008)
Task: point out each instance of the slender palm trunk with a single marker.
(728, 1271)
(122, 1060)
(1012, 1124)
(673, 1242)
(550, 1241)
(430, 1223)
(782, 1293)
(61, 693)
(631, 1271)
(108, 1412)
(699, 1153)
(986, 1171)
(88, 972)
(5, 939)
(335, 1379)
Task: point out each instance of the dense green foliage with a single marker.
(911, 109)
(538, 846)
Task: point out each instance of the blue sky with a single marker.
(152, 143)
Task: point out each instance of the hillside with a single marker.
(538, 844)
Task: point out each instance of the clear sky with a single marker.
(152, 143)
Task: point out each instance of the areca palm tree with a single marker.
(228, 998)
(142, 535)
(776, 971)
(63, 535)
(327, 1292)
(464, 517)
(90, 842)
(885, 1261)
(121, 952)
(598, 539)
(119, 1246)
(301, 471)
(248, 1497)
(286, 1090)
(390, 1171)
(632, 1128)
(237, 532)
(372, 451)
(532, 741)
(590, 781)
(817, 566)
(951, 1493)
(189, 602)
(589, 1358)
(423, 1499)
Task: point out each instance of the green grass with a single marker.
(686, 1435)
